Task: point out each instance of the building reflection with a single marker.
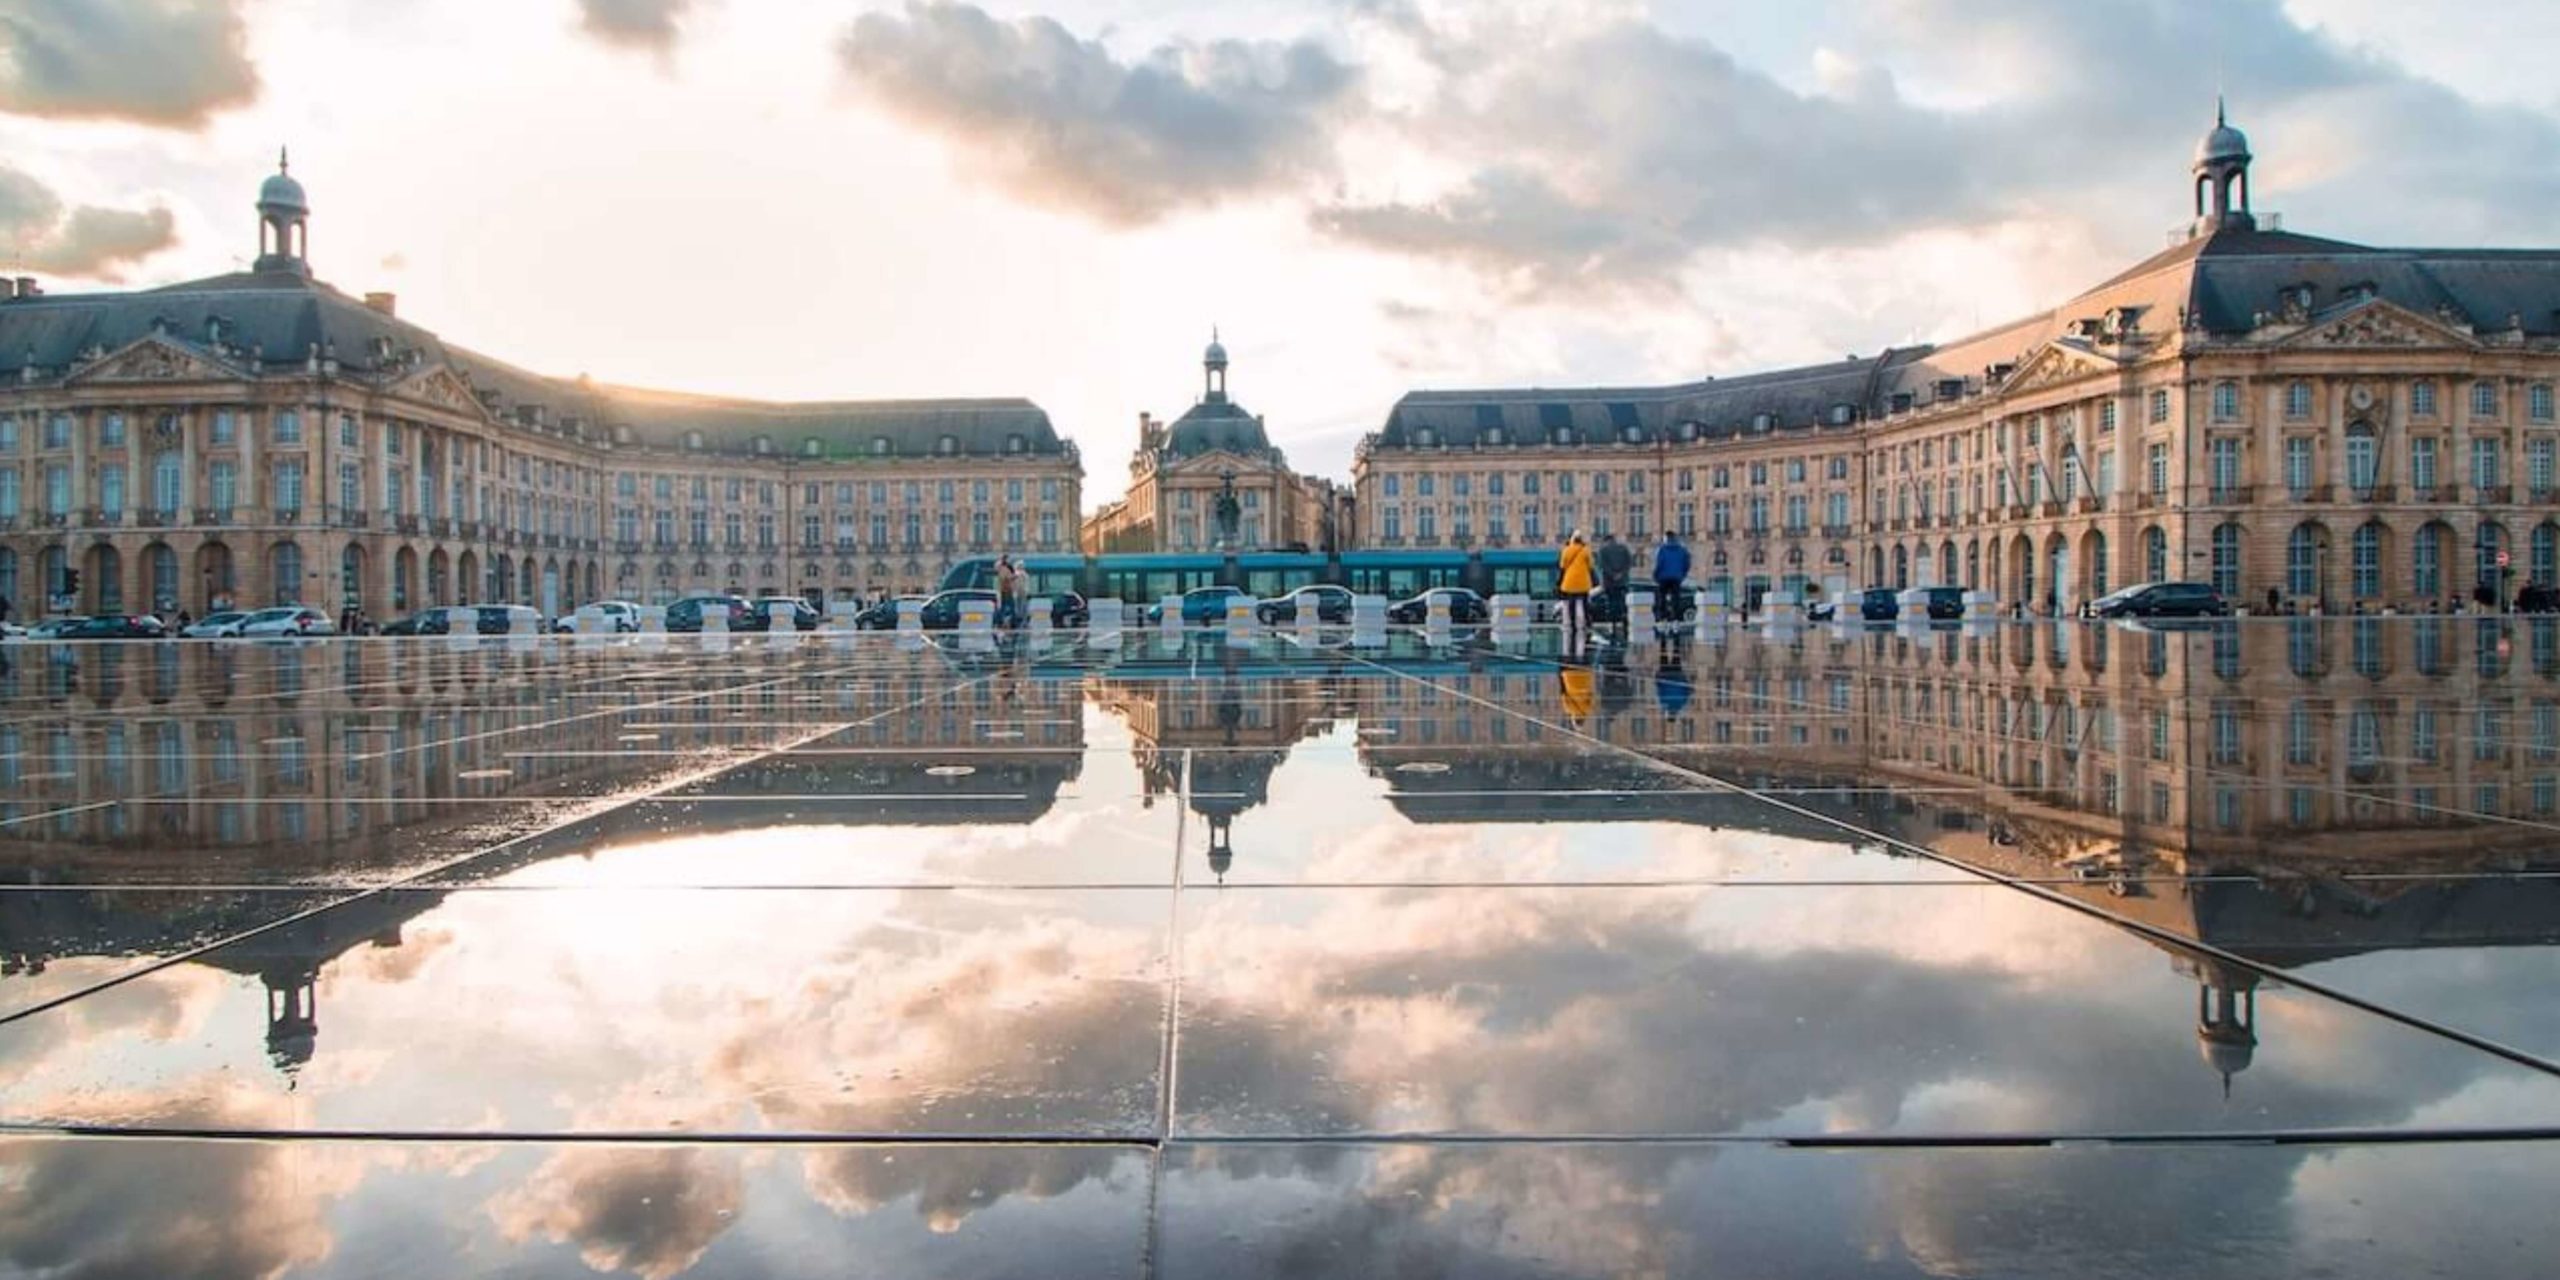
(2281, 794)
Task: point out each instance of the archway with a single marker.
(216, 577)
(1973, 564)
(1946, 563)
(404, 578)
(501, 586)
(2094, 569)
(439, 580)
(160, 577)
(467, 586)
(2368, 549)
(102, 580)
(529, 577)
(284, 573)
(1901, 567)
(50, 564)
(2057, 573)
(1875, 566)
(595, 581)
(351, 567)
(2489, 555)
(2022, 572)
(2306, 562)
(2155, 554)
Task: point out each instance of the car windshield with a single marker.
(224, 617)
(272, 615)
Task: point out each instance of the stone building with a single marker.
(2332, 424)
(1183, 476)
(262, 438)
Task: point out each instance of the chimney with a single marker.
(386, 303)
(27, 287)
(8, 288)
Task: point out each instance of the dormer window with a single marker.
(812, 447)
(879, 446)
(1635, 435)
(693, 441)
(1015, 443)
(1422, 437)
(1763, 421)
(947, 445)
(1493, 435)
(1842, 414)
(1688, 431)
(764, 445)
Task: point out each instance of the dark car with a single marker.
(942, 612)
(1201, 607)
(686, 614)
(803, 616)
(882, 615)
(1879, 604)
(116, 626)
(2162, 600)
(1330, 603)
(1465, 607)
(429, 622)
(1068, 609)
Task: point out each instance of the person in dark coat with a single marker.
(1616, 562)
(1670, 571)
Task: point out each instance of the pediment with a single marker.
(1218, 460)
(444, 388)
(2055, 363)
(155, 359)
(2377, 323)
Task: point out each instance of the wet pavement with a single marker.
(2018, 951)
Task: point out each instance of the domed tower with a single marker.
(2226, 1020)
(284, 216)
(2222, 178)
(1213, 366)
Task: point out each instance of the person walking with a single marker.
(1670, 572)
(1005, 575)
(1573, 584)
(1616, 562)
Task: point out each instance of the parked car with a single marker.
(1465, 607)
(803, 616)
(505, 619)
(1330, 603)
(1879, 604)
(52, 628)
(620, 616)
(116, 626)
(1822, 610)
(215, 626)
(942, 612)
(1201, 606)
(882, 615)
(2161, 600)
(288, 620)
(686, 614)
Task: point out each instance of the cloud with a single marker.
(156, 62)
(653, 1212)
(1051, 117)
(88, 241)
(636, 24)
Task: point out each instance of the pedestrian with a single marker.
(1005, 576)
(1670, 570)
(4, 608)
(184, 620)
(1573, 586)
(2275, 602)
(1616, 562)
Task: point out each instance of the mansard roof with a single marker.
(275, 320)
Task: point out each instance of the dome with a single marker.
(1217, 425)
(281, 193)
(1216, 355)
(2224, 143)
(2227, 1053)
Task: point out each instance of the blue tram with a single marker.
(1396, 574)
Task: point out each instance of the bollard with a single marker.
(1640, 617)
(1713, 613)
(1169, 614)
(1103, 623)
(1041, 613)
(1981, 606)
(1240, 623)
(1368, 621)
(1783, 609)
(715, 620)
(780, 618)
(653, 619)
(977, 619)
(911, 617)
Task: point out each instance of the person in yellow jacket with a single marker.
(1573, 583)
(1576, 680)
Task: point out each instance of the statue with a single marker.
(1229, 513)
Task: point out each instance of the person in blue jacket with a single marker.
(1670, 570)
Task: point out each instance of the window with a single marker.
(111, 491)
(2155, 554)
(2484, 462)
(2364, 456)
(350, 493)
(1423, 486)
(2538, 465)
(2226, 402)
(1391, 486)
(9, 500)
(2297, 399)
(111, 431)
(2426, 561)
(288, 486)
(347, 430)
(2223, 461)
(2106, 418)
(2422, 463)
(2159, 460)
(2302, 561)
(2539, 401)
(222, 485)
(57, 431)
(2159, 406)
(288, 427)
(288, 573)
(1720, 478)
(226, 429)
(2484, 400)
(168, 491)
(2422, 399)
(2366, 561)
(2297, 466)
(2546, 553)
(2226, 559)
(2106, 474)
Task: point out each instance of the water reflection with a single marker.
(1693, 888)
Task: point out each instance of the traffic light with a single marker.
(70, 582)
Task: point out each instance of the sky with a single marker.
(1061, 199)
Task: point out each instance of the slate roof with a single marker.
(276, 318)
(1218, 424)
(2225, 280)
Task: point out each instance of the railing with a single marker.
(2145, 501)
(2497, 493)
(287, 515)
(155, 519)
(216, 516)
(2050, 507)
(1835, 531)
(2231, 495)
(440, 528)
(2090, 505)
(405, 524)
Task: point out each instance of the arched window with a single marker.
(2097, 564)
(2226, 559)
(285, 563)
(2226, 401)
(2426, 561)
(2364, 458)
(2155, 554)
(2365, 561)
(2491, 540)
(2302, 561)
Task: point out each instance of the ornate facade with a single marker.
(2327, 423)
(1213, 481)
(262, 438)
